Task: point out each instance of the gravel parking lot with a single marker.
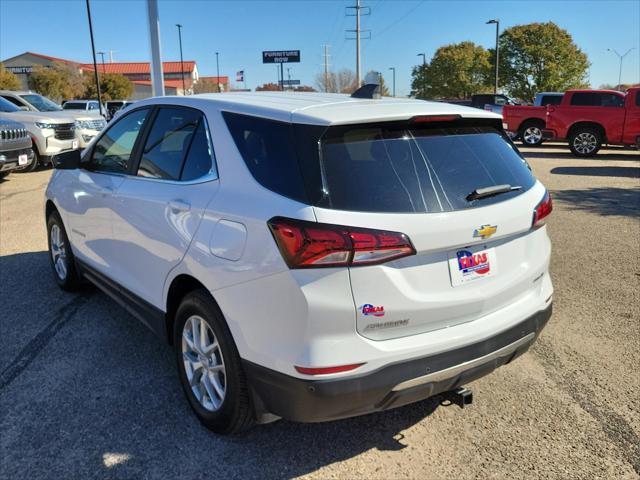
(87, 392)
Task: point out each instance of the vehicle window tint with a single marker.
(597, 99)
(267, 149)
(13, 100)
(551, 100)
(375, 169)
(112, 152)
(611, 100)
(73, 106)
(638, 99)
(168, 141)
(200, 158)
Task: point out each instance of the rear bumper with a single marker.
(393, 385)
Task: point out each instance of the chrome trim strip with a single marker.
(462, 367)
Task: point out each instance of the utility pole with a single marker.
(93, 51)
(497, 22)
(218, 72)
(184, 88)
(102, 55)
(394, 79)
(110, 56)
(424, 73)
(289, 77)
(157, 77)
(325, 56)
(621, 57)
(359, 10)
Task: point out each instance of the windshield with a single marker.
(43, 104)
(7, 107)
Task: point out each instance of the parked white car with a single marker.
(50, 134)
(87, 123)
(310, 256)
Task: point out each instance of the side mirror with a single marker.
(67, 160)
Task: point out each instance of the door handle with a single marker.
(179, 206)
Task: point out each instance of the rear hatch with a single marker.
(475, 252)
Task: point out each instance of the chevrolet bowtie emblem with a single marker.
(485, 231)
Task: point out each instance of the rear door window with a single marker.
(551, 100)
(597, 99)
(168, 142)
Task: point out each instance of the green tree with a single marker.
(456, 71)
(113, 86)
(540, 57)
(60, 81)
(8, 81)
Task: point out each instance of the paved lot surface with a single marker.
(87, 392)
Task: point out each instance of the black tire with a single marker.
(531, 134)
(3, 175)
(33, 166)
(236, 413)
(70, 281)
(585, 142)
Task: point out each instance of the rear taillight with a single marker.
(327, 370)
(311, 245)
(542, 211)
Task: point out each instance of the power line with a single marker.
(325, 62)
(395, 22)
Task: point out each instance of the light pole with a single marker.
(93, 51)
(621, 57)
(497, 22)
(184, 89)
(424, 73)
(102, 55)
(217, 72)
(394, 79)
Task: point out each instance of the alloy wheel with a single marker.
(58, 252)
(585, 143)
(532, 135)
(203, 363)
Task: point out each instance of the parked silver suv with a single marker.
(15, 147)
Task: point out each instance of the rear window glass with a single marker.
(416, 169)
(391, 167)
(74, 106)
(551, 100)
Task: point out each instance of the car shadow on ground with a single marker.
(602, 201)
(599, 171)
(89, 392)
(569, 155)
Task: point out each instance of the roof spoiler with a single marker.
(371, 87)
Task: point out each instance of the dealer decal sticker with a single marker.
(470, 265)
(368, 309)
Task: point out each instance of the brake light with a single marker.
(434, 118)
(327, 370)
(542, 211)
(312, 245)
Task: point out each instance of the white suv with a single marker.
(310, 256)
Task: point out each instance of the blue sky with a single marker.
(240, 30)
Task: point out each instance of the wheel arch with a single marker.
(532, 121)
(180, 286)
(49, 208)
(591, 125)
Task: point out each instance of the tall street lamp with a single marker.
(102, 55)
(424, 73)
(93, 51)
(184, 88)
(394, 79)
(621, 57)
(497, 22)
(217, 73)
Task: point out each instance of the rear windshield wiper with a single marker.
(485, 192)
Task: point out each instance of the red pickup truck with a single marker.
(526, 122)
(590, 118)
